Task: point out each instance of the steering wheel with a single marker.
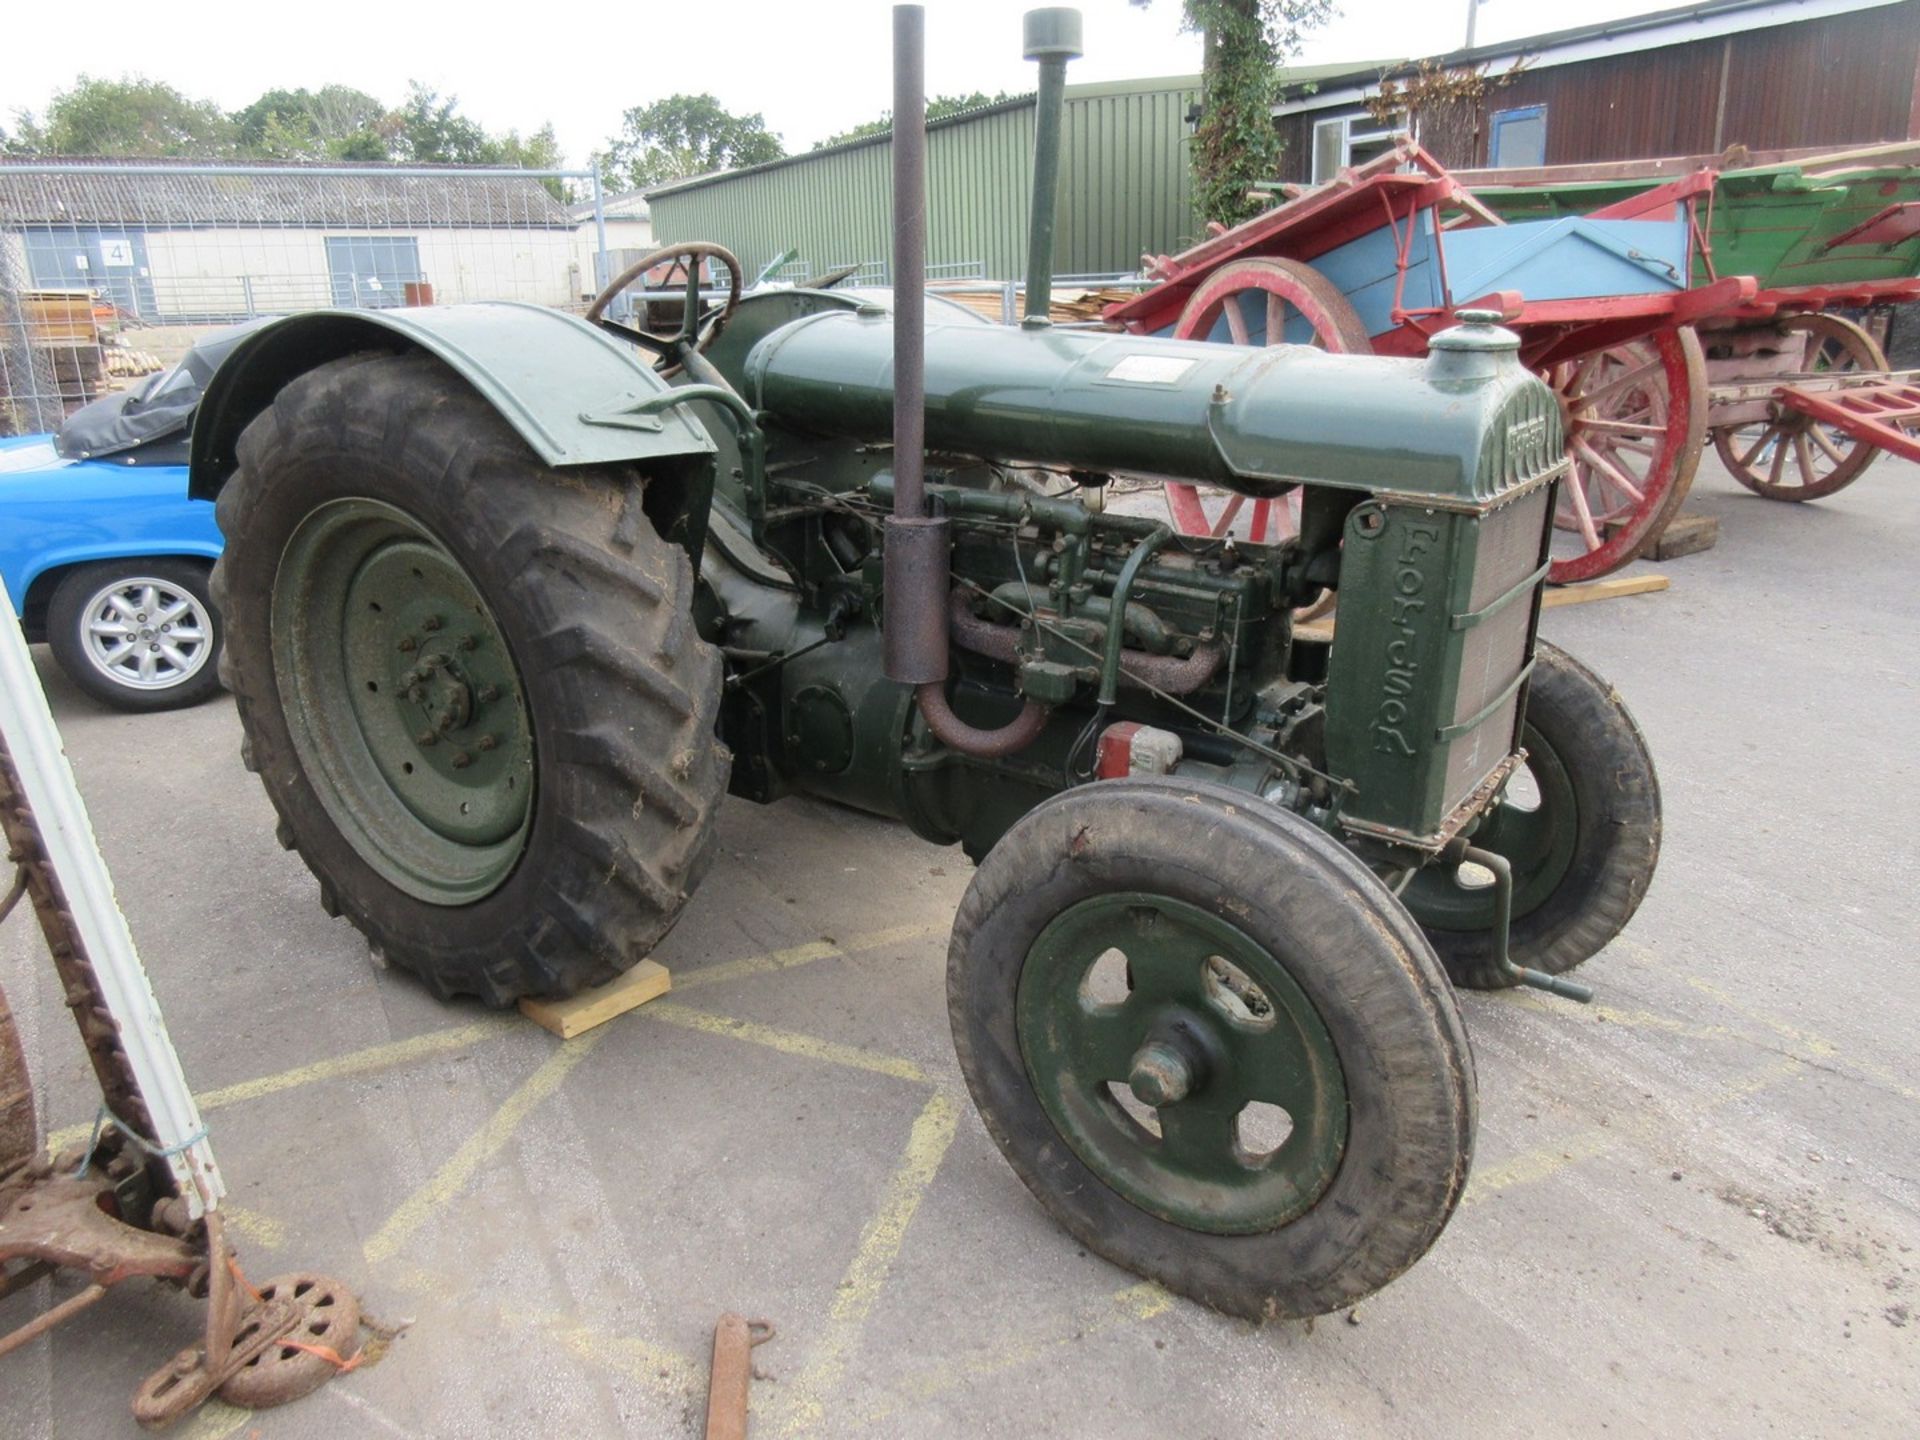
(700, 323)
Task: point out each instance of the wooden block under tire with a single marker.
(1687, 534)
(580, 1013)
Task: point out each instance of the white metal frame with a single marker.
(33, 742)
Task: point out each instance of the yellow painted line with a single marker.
(1818, 1044)
(359, 1062)
(654, 1367)
(252, 1225)
(488, 1141)
(214, 1420)
(1534, 1165)
(1626, 1019)
(1548, 1160)
(438, 1042)
(777, 960)
(1118, 1311)
(789, 1042)
(880, 1244)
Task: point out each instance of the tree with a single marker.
(432, 131)
(686, 135)
(1235, 144)
(335, 122)
(938, 108)
(130, 116)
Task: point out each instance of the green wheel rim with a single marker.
(403, 701)
(1537, 840)
(1182, 1063)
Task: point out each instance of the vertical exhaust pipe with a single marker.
(917, 549)
(1053, 38)
(909, 258)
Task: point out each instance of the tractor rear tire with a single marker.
(595, 721)
(1582, 859)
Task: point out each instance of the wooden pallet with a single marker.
(1612, 588)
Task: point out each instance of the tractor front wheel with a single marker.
(1212, 1045)
(470, 685)
(1580, 825)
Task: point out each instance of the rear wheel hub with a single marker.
(406, 703)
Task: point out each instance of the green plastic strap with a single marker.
(1454, 732)
(1494, 607)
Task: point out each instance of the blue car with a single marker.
(102, 553)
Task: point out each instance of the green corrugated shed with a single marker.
(1125, 189)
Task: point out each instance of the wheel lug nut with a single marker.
(437, 660)
(408, 644)
(467, 642)
(486, 742)
(428, 737)
(461, 759)
(431, 623)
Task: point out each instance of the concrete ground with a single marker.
(1694, 1209)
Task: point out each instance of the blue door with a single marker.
(110, 263)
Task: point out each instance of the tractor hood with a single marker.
(1462, 427)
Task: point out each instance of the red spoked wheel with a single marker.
(1790, 455)
(1636, 422)
(1260, 302)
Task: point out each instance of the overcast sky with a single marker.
(811, 69)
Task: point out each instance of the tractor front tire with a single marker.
(470, 683)
(1142, 973)
(1583, 852)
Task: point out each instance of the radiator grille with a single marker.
(1508, 550)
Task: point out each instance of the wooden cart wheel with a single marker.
(1636, 419)
(1790, 455)
(1261, 302)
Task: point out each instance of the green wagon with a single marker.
(1801, 399)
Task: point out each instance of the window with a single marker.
(1349, 140)
(1518, 140)
(372, 272)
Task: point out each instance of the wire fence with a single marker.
(110, 271)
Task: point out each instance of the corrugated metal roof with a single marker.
(627, 205)
(186, 194)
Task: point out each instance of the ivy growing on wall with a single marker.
(1235, 144)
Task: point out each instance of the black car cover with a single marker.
(132, 423)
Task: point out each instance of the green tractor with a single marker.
(514, 598)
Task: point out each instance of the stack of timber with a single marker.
(1068, 307)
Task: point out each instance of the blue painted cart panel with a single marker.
(1572, 258)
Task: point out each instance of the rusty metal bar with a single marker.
(734, 1337)
(44, 1322)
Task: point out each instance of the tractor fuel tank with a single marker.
(1460, 427)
